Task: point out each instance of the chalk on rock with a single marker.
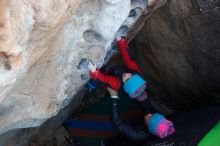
(113, 1)
(83, 64)
(139, 3)
(84, 76)
(92, 36)
(123, 30)
(132, 13)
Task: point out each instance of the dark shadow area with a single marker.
(179, 54)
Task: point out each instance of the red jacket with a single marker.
(112, 81)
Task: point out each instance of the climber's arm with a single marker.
(106, 80)
(123, 46)
(132, 133)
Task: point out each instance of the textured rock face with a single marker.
(30, 34)
(41, 45)
(181, 47)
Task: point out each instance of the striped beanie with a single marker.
(160, 126)
(135, 86)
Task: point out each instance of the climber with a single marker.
(128, 79)
(191, 130)
(157, 124)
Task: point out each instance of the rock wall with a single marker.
(178, 50)
(30, 35)
(44, 51)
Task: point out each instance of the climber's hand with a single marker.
(147, 118)
(112, 92)
(122, 43)
(92, 67)
(118, 37)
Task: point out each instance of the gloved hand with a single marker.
(122, 43)
(92, 67)
(113, 93)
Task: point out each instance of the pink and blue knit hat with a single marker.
(135, 86)
(160, 126)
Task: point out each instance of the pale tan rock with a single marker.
(28, 30)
